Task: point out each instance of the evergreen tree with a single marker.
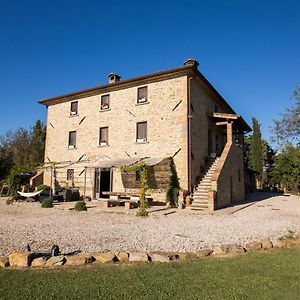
(256, 159)
(37, 143)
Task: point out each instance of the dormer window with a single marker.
(142, 96)
(104, 102)
(74, 108)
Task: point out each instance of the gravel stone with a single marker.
(118, 230)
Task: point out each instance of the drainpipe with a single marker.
(189, 145)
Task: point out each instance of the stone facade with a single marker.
(177, 112)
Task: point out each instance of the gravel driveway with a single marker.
(164, 230)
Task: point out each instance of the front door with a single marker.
(102, 182)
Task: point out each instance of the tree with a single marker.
(288, 127)
(286, 170)
(6, 162)
(27, 146)
(256, 151)
(37, 143)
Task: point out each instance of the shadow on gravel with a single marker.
(260, 196)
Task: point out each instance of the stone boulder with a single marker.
(266, 244)
(4, 262)
(79, 260)
(232, 249)
(122, 256)
(138, 257)
(253, 246)
(105, 257)
(203, 253)
(20, 259)
(159, 257)
(39, 262)
(186, 255)
(279, 244)
(56, 261)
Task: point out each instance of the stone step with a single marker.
(202, 206)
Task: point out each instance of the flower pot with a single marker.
(188, 201)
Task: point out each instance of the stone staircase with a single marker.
(201, 197)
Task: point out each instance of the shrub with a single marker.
(42, 187)
(80, 206)
(10, 200)
(47, 203)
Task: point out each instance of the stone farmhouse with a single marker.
(169, 118)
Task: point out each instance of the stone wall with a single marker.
(202, 103)
(167, 131)
(230, 178)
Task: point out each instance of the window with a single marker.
(216, 108)
(142, 94)
(104, 102)
(70, 174)
(103, 136)
(72, 139)
(74, 108)
(239, 174)
(141, 132)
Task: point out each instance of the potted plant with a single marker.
(188, 200)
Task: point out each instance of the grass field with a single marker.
(273, 274)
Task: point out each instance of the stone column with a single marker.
(229, 132)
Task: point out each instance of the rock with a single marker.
(20, 259)
(4, 262)
(252, 246)
(39, 262)
(279, 244)
(159, 257)
(56, 261)
(203, 253)
(186, 255)
(266, 244)
(138, 256)
(231, 249)
(79, 260)
(123, 256)
(292, 243)
(105, 257)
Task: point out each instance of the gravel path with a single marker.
(113, 229)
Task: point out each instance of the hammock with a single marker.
(29, 195)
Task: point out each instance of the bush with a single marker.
(47, 203)
(10, 200)
(42, 187)
(80, 206)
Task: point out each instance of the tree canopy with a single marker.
(288, 127)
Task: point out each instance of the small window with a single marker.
(216, 108)
(104, 102)
(72, 139)
(141, 132)
(239, 174)
(142, 94)
(74, 108)
(70, 174)
(103, 136)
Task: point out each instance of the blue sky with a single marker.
(249, 50)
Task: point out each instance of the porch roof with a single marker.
(239, 122)
(150, 161)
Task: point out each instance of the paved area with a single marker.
(98, 229)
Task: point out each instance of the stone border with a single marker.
(24, 259)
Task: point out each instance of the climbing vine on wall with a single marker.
(142, 170)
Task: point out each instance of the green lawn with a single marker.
(271, 274)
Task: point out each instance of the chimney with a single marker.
(191, 62)
(113, 77)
